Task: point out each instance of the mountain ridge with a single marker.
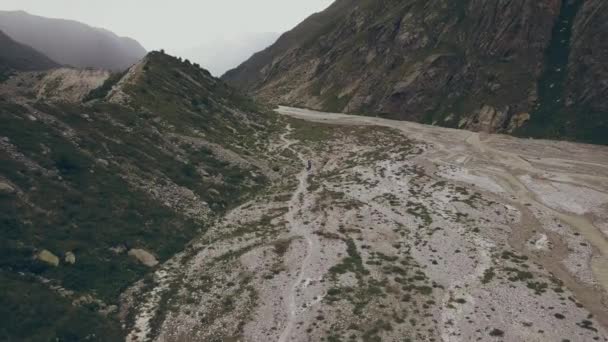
(16, 56)
(96, 188)
(72, 43)
(472, 64)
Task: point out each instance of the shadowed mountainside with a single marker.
(72, 43)
(15, 56)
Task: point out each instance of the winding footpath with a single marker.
(297, 229)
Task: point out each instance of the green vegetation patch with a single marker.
(32, 312)
(103, 90)
(77, 177)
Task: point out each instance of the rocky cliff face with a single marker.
(471, 64)
(587, 82)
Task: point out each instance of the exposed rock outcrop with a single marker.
(57, 85)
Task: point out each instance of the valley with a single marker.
(377, 173)
(399, 231)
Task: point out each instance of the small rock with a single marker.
(48, 257)
(118, 249)
(108, 310)
(144, 257)
(518, 120)
(6, 188)
(70, 258)
(103, 162)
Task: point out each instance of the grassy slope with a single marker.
(89, 207)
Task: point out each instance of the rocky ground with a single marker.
(398, 232)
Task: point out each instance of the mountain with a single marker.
(103, 176)
(160, 204)
(72, 43)
(221, 55)
(532, 68)
(17, 56)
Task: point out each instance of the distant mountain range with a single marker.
(16, 56)
(526, 67)
(221, 55)
(71, 43)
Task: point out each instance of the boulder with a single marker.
(518, 120)
(102, 162)
(144, 257)
(70, 258)
(48, 258)
(6, 188)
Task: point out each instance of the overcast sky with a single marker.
(177, 25)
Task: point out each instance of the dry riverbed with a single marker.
(399, 232)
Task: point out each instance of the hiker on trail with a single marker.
(309, 165)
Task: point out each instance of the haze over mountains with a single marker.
(525, 67)
(16, 56)
(75, 44)
(224, 53)
(72, 43)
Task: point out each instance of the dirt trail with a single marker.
(298, 229)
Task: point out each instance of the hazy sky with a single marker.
(176, 25)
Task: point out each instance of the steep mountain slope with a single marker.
(95, 194)
(573, 89)
(21, 57)
(15, 56)
(471, 64)
(70, 42)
